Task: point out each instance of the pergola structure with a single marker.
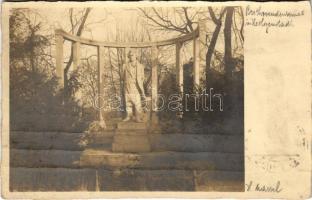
(196, 36)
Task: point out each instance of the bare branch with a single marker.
(79, 32)
(188, 21)
(168, 24)
(71, 20)
(213, 16)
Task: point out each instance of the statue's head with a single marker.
(131, 55)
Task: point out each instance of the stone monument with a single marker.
(132, 133)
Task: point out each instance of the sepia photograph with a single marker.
(126, 98)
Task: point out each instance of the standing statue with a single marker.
(133, 72)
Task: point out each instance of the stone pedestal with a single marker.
(131, 137)
(132, 126)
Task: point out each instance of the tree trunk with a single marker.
(213, 41)
(228, 60)
(121, 81)
(79, 32)
(242, 25)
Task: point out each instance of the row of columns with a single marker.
(101, 57)
(59, 59)
(179, 64)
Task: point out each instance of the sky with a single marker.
(101, 22)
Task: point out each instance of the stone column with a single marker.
(76, 55)
(179, 71)
(154, 78)
(101, 56)
(154, 107)
(127, 49)
(179, 67)
(76, 63)
(59, 58)
(202, 49)
(196, 62)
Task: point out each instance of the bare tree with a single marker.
(77, 27)
(111, 71)
(228, 60)
(181, 21)
(88, 77)
(212, 44)
(241, 14)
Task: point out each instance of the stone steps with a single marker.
(46, 140)
(107, 160)
(62, 179)
(56, 161)
(101, 147)
(158, 142)
(163, 160)
(196, 143)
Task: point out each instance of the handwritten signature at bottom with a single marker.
(276, 188)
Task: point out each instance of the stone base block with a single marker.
(131, 143)
(132, 126)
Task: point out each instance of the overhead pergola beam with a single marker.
(86, 41)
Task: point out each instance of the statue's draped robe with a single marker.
(133, 79)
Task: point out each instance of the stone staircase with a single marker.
(131, 137)
(126, 158)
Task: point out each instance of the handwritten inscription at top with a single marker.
(271, 18)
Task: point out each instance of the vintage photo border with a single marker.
(251, 169)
